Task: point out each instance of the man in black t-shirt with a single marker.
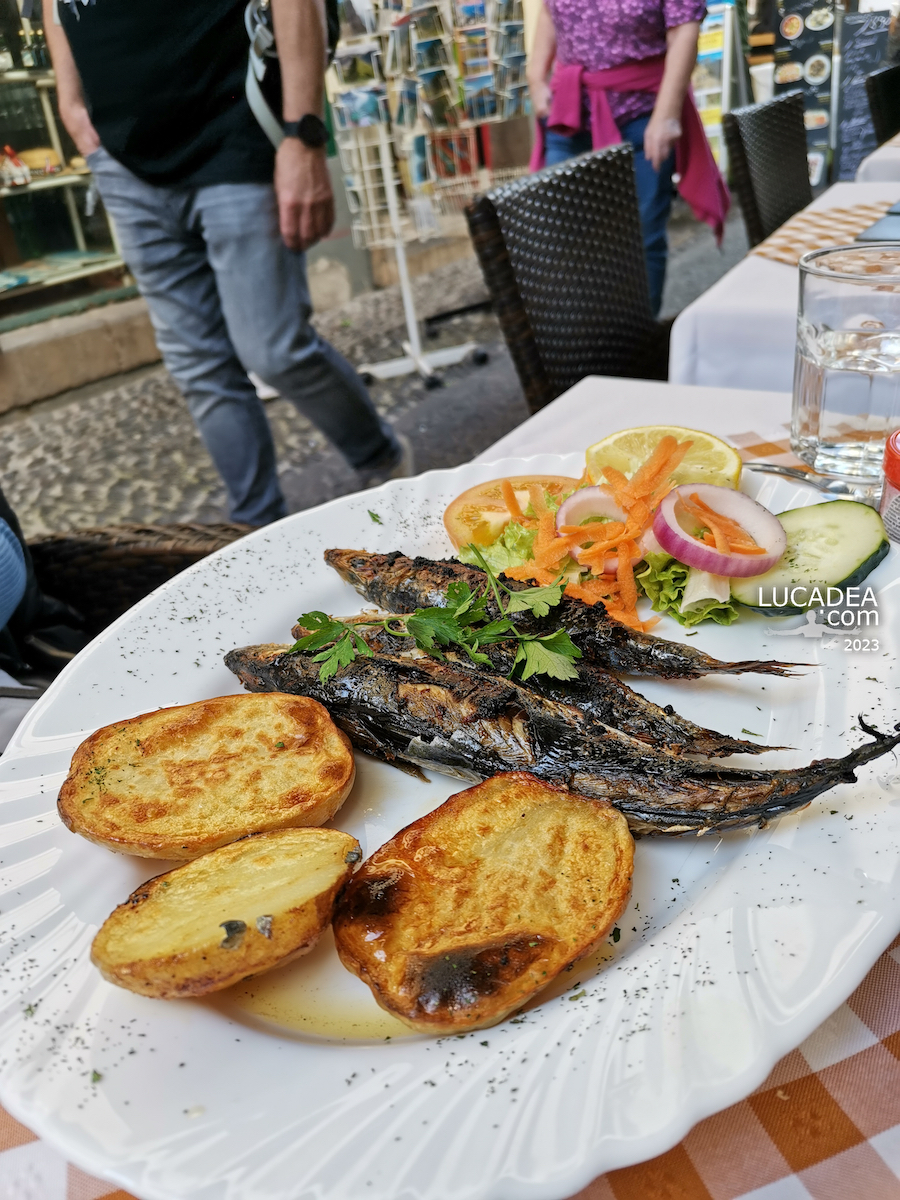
(153, 96)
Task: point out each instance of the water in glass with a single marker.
(847, 366)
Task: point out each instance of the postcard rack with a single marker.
(412, 90)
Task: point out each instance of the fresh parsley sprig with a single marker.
(464, 624)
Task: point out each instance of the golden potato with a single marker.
(237, 911)
(468, 912)
(181, 781)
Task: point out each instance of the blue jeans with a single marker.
(654, 192)
(12, 573)
(226, 297)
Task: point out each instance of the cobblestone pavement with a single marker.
(126, 450)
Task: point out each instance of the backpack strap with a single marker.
(259, 106)
(262, 46)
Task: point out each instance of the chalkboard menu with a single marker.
(864, 47)
(804, 44)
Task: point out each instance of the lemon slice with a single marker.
(709, 460)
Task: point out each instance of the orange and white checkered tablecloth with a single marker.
(816, 229)
(825, 1125)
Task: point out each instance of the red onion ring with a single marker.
(765, 529)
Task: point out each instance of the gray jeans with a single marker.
(226, 297)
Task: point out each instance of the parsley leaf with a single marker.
(538, 600)
(430, 625)
(549, 655)
(322, 630)
(337, 642)
(464, 622)
(375, 517)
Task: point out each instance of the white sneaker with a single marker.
(403, 468)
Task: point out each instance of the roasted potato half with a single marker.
(468, 912)
(179, 782)
(237, 911)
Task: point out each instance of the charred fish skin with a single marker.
(603, 699)
(401, 584)
(471, 725)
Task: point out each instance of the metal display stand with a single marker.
(414, 359)
(408, 99)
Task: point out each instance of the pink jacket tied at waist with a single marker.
(701, 185)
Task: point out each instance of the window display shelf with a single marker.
(44, 183)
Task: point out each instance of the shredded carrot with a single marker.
(618, 484)
(538, 503)
(727, 536)
(598, 541)
(511, 501)
(531, 572)
(700, 508)
(602, 530)
(645, 476)
(548, 548)
(625, 575)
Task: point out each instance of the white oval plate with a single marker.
(732, 950)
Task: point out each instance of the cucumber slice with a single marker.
(830, 545)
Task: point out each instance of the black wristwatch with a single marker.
(311, 130)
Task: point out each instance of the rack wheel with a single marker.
(432, 382)
(480, 357)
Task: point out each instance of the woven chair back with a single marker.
(104, 571)
(883, 91)
(767, 156)
(563, 259)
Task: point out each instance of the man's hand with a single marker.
(305, 198)
(77, 121)
(660, 136)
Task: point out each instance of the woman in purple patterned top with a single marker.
(601, 34)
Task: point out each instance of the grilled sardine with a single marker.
(601, 697)
(401, 584)
(474, 725)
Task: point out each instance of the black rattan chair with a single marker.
(563, 259)
(883, 91)
(103, 572)
(767, 159)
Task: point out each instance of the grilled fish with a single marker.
(601, 697)
(400, 584)
(473, 725)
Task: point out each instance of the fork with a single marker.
(835, 487)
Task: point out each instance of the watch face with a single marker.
(312, 130)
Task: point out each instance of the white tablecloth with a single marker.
(741, 332)
(882, 165)
(598, 405)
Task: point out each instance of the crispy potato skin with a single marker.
(464, 915)
(178, 934)
(182, 781)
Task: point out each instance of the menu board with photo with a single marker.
(864, 48)
(804, 56)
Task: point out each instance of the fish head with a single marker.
(355, 567)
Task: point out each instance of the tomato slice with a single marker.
(480, 514)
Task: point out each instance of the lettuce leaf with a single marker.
(664, 580)
(514, 546)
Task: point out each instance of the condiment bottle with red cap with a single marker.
(890, 497)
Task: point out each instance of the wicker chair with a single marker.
(103, 572)
(883, 91)
(767, 156)
(562, 256)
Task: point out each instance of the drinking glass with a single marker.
(847, 365)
